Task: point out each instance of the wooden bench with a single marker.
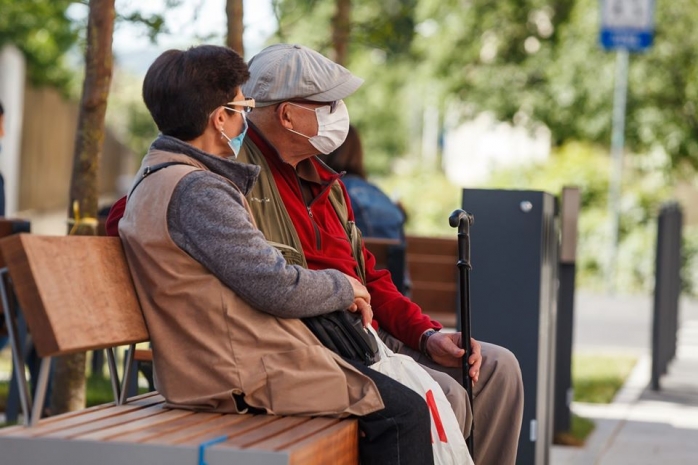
(76, 294)
(432, 265)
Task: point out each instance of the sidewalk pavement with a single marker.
(642, 426)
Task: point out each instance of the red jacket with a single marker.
(325, 243)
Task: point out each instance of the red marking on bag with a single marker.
(431, 402)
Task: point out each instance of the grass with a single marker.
(597, 378)
(580, 429)
(98, 387)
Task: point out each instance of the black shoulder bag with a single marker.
(343, 333)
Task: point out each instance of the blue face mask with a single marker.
(236, 142)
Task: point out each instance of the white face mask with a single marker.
(332, 127)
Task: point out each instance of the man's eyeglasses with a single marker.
(332, 105)
(247, 105)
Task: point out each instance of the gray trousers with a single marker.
(498, 398)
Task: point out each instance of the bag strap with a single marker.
(148, 170)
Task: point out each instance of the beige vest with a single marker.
(208, 344)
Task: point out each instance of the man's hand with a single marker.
(445, 349)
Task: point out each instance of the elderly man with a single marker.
(301, 204)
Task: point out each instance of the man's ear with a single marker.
(283, 115)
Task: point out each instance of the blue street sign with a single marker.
(627, 24)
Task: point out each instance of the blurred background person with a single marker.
(376, 215)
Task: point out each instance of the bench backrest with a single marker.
(390, 255)
(76, 292)
(431, 262)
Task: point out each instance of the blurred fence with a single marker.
(48, 140)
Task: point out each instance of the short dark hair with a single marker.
(2, 110)
(182, 88)
(349, 156)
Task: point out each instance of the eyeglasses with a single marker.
(247, 105)
(332, 105)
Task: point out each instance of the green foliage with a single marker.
(427, 196)
(128, 116)
(597, 378)
(539, 60)
(43, 32)
(645, 188)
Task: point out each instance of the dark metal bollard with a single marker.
(567, 270)
(515, 293)
(667, 290)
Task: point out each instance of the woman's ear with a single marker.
(218, 118)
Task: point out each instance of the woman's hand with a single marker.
(362, 301)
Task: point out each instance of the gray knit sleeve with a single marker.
(207, 219)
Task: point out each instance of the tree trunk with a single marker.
(233, 9)
(341, 28)
(69, 382)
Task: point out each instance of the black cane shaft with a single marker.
(463, 220)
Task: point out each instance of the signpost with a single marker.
(626, 26)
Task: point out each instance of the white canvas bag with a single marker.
(446, 436)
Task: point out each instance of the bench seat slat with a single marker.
(337, 445)
(135, 426)
(161, 429)
(254, 436)
(46, 421)
(294, 435)
(117, 419)
(83, 417)
(245, 424)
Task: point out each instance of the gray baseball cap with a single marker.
(283, 72)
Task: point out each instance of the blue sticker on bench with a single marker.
(204, 445)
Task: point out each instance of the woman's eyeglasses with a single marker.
(247, 105)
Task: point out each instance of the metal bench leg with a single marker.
(120, 389)
(113, 375)
(132, 387)
(128, 372)
(17, 352)
(41, 386)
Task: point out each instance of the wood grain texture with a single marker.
(380, 249)
(432, 245)
(84, 417)
(102, 311)
(338, 445)
(432, 264)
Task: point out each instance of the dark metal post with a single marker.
(567, 270)
(667, 290)
(462, 220)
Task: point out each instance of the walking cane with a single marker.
(462, 220)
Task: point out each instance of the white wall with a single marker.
(12, 78)
(473, 150)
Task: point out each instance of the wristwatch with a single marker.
(423, 341)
